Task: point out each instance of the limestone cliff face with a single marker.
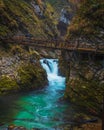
(84, 80)
(66, 16)
(35, 17)
(43, 19)
(85, 83)
(88, 22)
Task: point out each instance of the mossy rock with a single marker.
(86, 94)
(31, 77)
(7, 84)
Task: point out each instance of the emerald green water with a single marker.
(37, 109)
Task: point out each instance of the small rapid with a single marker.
(40, 109)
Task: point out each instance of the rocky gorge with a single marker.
(19, 69)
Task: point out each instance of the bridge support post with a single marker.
(66, 63)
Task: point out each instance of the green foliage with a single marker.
(89, 20)
(58, 4)
(3, 31)
(20, 16)
(17, 13)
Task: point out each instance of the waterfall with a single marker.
(55, 81)
(50, 65)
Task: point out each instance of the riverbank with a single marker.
(88, 126)
(20, 70)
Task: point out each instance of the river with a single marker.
(37, 109)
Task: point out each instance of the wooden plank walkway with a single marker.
(57, 44)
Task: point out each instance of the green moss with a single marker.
(20, 16)
(7, 84)
(3, 30)
(89, 21)
(31, 77)
(26, 74)
(86, 94)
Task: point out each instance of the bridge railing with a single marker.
(58, 44)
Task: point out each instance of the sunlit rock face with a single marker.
(64, 21)
(65, 16)
(37, 8)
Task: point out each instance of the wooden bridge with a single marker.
(79, 46)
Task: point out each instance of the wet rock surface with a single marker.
(20, 68)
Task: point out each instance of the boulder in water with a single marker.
(21, 128)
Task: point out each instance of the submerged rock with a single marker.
(11, 127)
